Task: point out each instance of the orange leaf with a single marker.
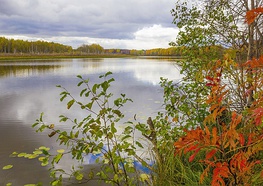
(250, 138)
(236, 119)
(191, 158)
(243, 164)
(214, 134)
(258, 114)
(210, 154)
(191, 148)
(221, 171)
(251, 15)
(207, 132)
(241, 139)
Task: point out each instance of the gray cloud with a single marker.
(112, 19)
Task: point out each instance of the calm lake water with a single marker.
(28, 88)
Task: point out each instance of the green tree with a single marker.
(91, 49)
(203, 27)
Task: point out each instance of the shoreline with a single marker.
(11, 57)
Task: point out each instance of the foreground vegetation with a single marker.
(211, 132)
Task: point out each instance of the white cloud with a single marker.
(139, 24)
(155, 36)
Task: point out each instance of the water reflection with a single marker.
(28, 88)
(25, 71)
(147, 70)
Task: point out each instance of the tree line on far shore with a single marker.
(18, 46)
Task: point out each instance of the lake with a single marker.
(28, 88)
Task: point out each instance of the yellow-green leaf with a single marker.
(60, 151)
(70, 103)
(78, 176)
(44, 148)
(38, 152)
(14, 154)
(21, 154)
(32, 156)
(51, 126)
(44, 163)
(7, 167)
(41, 158)
(144, 177)
(116, 177)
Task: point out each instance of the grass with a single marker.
(177, 170)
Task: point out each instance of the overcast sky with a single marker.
(131, 24)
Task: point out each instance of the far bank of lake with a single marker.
(40, 56)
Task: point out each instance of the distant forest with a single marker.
(18, 46)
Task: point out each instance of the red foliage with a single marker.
(257, 115)
(251, 15)
(231, 148)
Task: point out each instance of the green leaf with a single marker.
(30, 185)
(63, 118)
(70, 103)
(41, 116)
(105, 85)
(27, 155)
(87, 94)
(113, 129)
(63, 97)
(77, 134)
(130, 152)
(125, 137)
(35, 124)
(116, 177)
(80, 83)
(108, 73)
(57, 158)
(22, 154)
(78, 175)
(38, 152)
(7, 167)
(33, 156)
(111, 80)
(94, 88)
(44, 148)
(45, 152)
(110, 135)
(144, 177)
(117, 112)
(44, 162)
(41, 159)
(56, 182)
(117, 102)
(14, 154)
(139, 144)
(91, 175)
(8, 184)
(82, 92)
(89, 105)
